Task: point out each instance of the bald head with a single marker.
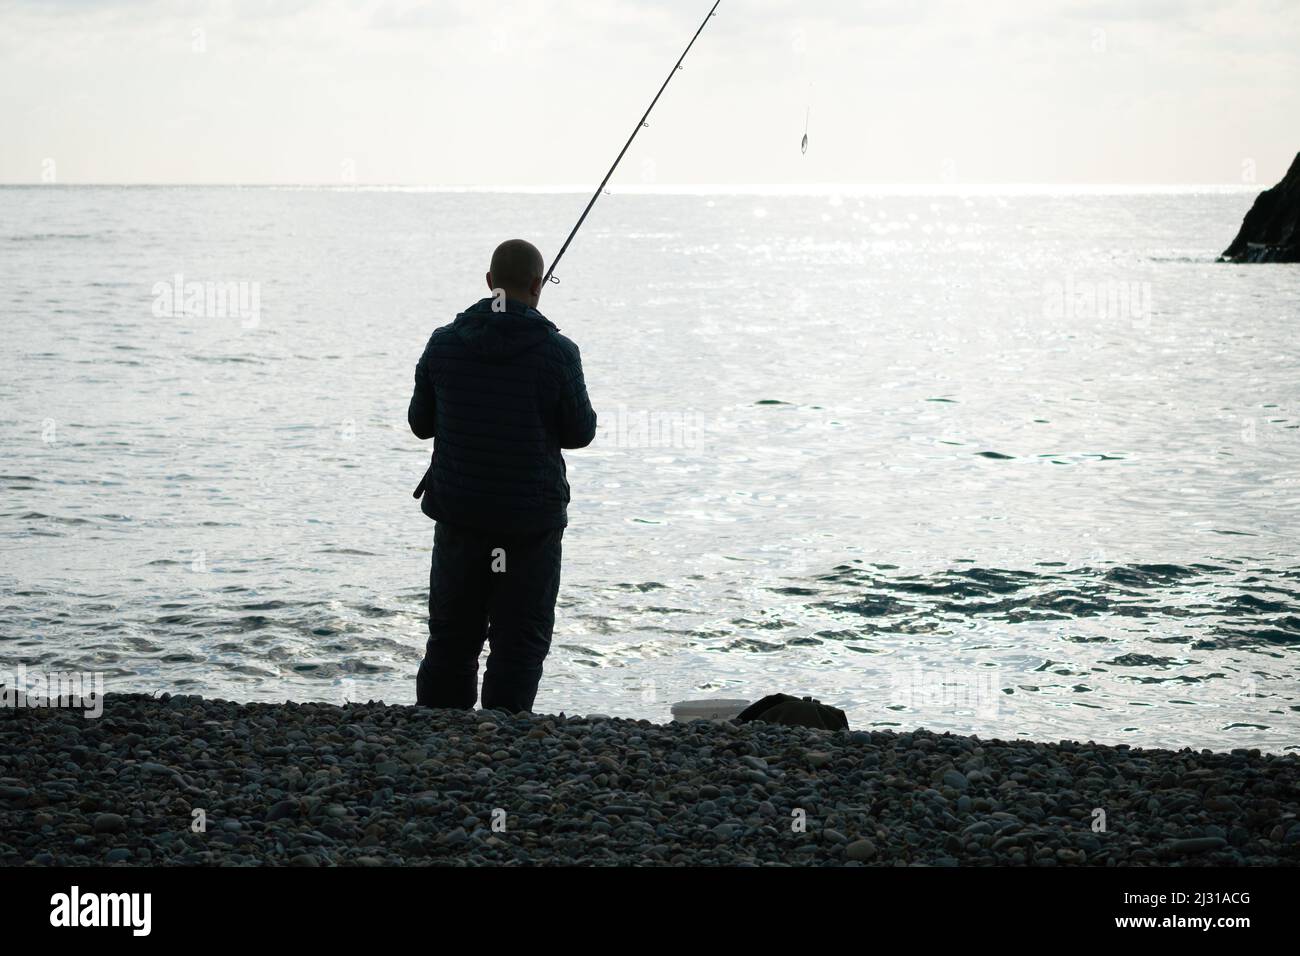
(517, 267)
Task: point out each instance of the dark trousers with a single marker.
(494, 588)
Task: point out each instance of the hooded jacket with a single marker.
(500, 394)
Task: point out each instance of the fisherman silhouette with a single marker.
(501, 392)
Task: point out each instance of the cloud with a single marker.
(543, 91)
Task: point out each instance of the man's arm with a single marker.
(421, 413)
(577, 418)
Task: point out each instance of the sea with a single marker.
(1018, 462)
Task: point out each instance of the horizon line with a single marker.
(702, 189)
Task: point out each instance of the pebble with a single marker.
(377, 785)
(861, 850)
(110, 823)
(283, 809)
(955, 779)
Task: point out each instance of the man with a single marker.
(500, 392)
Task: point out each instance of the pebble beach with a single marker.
(173, 780)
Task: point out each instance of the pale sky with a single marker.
(544, 92)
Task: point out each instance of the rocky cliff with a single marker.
(1271, 230)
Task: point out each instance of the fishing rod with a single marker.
(639, 126)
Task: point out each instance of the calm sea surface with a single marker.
(1019, 464)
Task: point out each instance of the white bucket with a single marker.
(715, 709)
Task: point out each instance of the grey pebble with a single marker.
(861, 850)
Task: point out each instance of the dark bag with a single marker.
(795, 711)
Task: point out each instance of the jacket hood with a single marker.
(502, 335)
